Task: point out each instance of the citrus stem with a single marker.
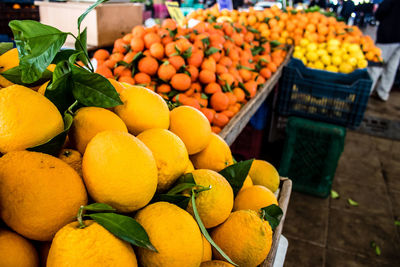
(80, 217)
(69, 110)
(90, 66)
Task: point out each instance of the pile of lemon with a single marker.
(123, 157)
(331, 56)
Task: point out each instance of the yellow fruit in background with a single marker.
(336, 60)
(119, 170)
(90, 121)
(170, 154)
(321, 52)
(4, 82)
(319, 65)
(244, 237)
(311, 56)
(27, 119)
(352, 61)
(345, 67)
(89, 246)
(326, 59)
(304, 60)
(264, 173)
(175, 235)
(247, 182)
(192, 127)
(119, 87)
(73, 158)
(207, 251)
(361, 64)
(16, 250)
(337, 53)
(213, 205)
(189, 167)
(304, 42)
(9, 60)
(216, 263)
(359, 56)
(39, 193)
(333, 42)
(216, 156)
(298, 54)
(345, 57)
(353, 48)
(312, 47)
(254, 198)
(42, 88)
(332, 68)
(322, 45)
(331, 49)
(142, 110)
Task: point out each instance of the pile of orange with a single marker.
(291, 26)
(214, 67)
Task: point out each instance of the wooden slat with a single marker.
(284, 198)
(239, 121)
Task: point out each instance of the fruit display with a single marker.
(290, 26)
(331, 56)
(110, 176)
(213, 67)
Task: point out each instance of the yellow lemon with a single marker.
(304, 42)
(311, 56)
(89, 246)
(216, 263)
(352, 61)
(192, 127)
(312, 47)
(207, 251)
(264, 173)
(216, 156)
(345, 67)
(39, 193)
(27, 119)
(244, 237)
(298, 54)
(326, 59)
(322, 52)
(319, 65)
(331, 49)
(361, 64)
(333, 42)
(16, 250)
(118, 169)
(73, 158)
(170, 154)
(189, 167)
(213, 205)
(254, 198)
(142, 110)
(332, 68)
(336, 60)
(89, 121)
(175, 235)
(9, 60)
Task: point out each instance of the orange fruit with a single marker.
(157, 51)
(219, 101)
(181, 81)
(220, 120)
(207, 76)
(151, 38)
(176, 61)
(101, 54)
(103, 70)
(148, 65)
(142, 78)
(212, 88)
(166, 71)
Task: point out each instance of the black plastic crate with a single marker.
(311, 154)
(325, 96)
(8, 13)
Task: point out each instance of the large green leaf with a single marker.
(54, 145)
(60, 90)
(236, 174)
(125, 228)
(63, 55)
(81, 46)
(92, 89)
(179, 200)
(273, 214)
(37, 46)
(4, 47)
(14, 75)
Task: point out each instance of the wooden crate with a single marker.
(283, 199)
(105, 23)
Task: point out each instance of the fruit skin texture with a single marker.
(90, 246)
(255, 238)
(254, 198)
(216, 156)
(170, 154)
(142, 110)
(16, 250)
(213, 205)
(264, 173)
(207, 251)
(192, 127)
(189, 167)
(39, 193)
(9, 60)
(119, 170)
(175, 235)
(89, 121)
(215, 263)
(247, 182)
(73, 158)
(27, 119)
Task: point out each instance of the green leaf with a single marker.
(204, 230)
(206, 41)
(180, 188)
(257, 50)
(397, 223)
(211, 51)
(275, 43)
(99, 207)
(73, 58)
(187, 178)
(4, 47)
(179, 200)
(204, 96)
(334, 194)
(54, 145)
(37, 46)
(125, 228)
(14, 75)
(187, 53)
(376, 247)
(81, 46)
(251, 29)
(273, 214)
(173, 33)
(246, 68)
(92, 89)
(352, 202)
(63, 55)
(82, 17)
(60, 90)
(218, 27)
(236, 174)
